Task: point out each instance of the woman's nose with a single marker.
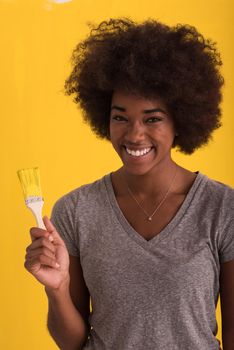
(135, 132)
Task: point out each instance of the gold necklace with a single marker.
(149, 217)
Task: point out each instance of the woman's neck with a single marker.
(150, 184)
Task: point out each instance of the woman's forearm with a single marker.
(65, 324)
(228, 339)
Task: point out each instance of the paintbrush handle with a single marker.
(36, 208)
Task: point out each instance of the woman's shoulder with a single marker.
(217, 190)
(218, 185)
(85, 192)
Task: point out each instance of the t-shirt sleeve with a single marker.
(226, 250)
(226, 227)
(62, 217)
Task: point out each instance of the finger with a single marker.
(35, 263)
(52, 230)
(42, 242)
(39, 251)
(36, 232)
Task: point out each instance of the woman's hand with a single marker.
(47, 257)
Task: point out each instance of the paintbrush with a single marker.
(31, 186)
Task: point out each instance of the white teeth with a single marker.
(138, 153)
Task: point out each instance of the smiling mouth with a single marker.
(138, 153)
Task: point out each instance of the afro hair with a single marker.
(174, 63)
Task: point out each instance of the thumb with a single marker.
(52, 230)
(48, 224)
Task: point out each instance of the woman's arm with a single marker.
(47, 259)
(69, 310)
(227, 304)
(65, 323)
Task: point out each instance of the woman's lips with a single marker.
(138, 156)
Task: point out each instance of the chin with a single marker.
(137, 171)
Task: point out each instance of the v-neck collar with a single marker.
(168, 228)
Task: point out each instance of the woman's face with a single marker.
(141, 132)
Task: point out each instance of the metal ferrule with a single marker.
(33, 199)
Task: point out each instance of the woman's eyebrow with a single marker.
(154, 110)
(118, 108)
(146, 111)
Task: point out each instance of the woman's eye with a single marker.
(153, 120)
(118, 118)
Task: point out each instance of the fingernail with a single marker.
(57, 265)
(51, 238)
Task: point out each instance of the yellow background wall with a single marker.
(41, 127)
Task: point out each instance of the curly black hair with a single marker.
(152, 59)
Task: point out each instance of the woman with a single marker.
(152, 243)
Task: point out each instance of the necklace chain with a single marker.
(149, 217)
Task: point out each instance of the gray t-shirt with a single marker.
(159, 294)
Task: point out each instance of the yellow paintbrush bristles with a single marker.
(30, 182)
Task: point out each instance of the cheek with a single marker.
(114, 137)
(161, 133)
(111, 130)
(115, 131)
(165, 135)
